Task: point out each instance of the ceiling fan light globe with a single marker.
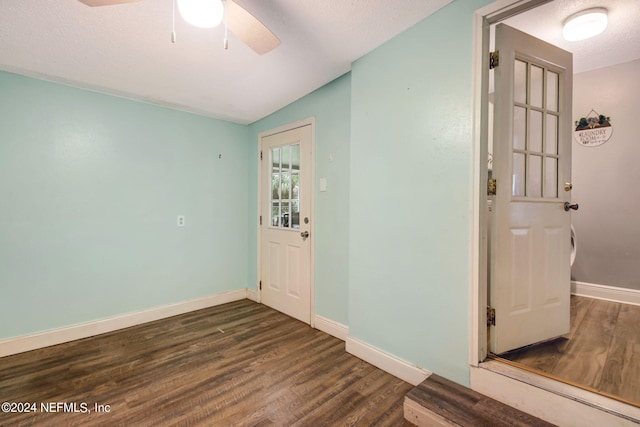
(201, 13)
(584, 25)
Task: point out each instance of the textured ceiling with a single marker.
(126, 50)
(619, 43)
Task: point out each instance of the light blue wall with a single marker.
(330, 105)
(90, 188)
(411, 147)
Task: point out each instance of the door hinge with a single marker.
(491, 316)
(261, 155)
(260, 285)
(491, 187)
(494, 59)
(260, 219)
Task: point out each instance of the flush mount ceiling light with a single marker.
(585, 24)
(201, 13)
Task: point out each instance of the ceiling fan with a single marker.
(237, 19)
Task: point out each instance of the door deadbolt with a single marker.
(568, 186)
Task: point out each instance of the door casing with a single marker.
(305, 122)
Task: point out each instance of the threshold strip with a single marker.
(562, 380)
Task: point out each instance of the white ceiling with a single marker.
(619, 43)
(126, 50)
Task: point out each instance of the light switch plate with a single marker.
(323, 184)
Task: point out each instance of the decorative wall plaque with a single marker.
(593, 130)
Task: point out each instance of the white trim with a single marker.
(478, 268)
(252, 295)
(287, 127)
(70, 333)
(312, 265)
(387, 362)
(258, 225)
(606, 292)
(284, 128)
(550, 400)
(331, 327)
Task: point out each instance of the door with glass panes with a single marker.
(285, 251)
(530, 242)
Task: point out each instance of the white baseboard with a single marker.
(330, 327)
(387, 362)
(58, 336)
(558, 403)
(605, 292)
(252, 294)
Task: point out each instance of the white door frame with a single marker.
(311, 121)
(548, 399)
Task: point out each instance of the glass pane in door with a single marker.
(519, 127)
(520, 82)
(534, 176)
(535, 131)
(536, 86)
(550, 177)
(551, 135)
(275, 186)
(285, 186)
(275, 214)
(518, 175)
(552, 91)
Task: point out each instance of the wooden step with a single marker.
(440, 402)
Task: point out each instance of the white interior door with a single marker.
(286, 222)
(530, 241)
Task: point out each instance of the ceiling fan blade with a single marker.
(249, 29)
(94, 3)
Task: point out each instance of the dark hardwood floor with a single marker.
(239, 364)
(601, 352)
(457, 405)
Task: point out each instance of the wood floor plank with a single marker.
(579, 309)
(347, 406)
(621, 373)
(376, 410)
(324, 390)
(587, 352)
(236, 364)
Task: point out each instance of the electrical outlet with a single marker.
(180, 221)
